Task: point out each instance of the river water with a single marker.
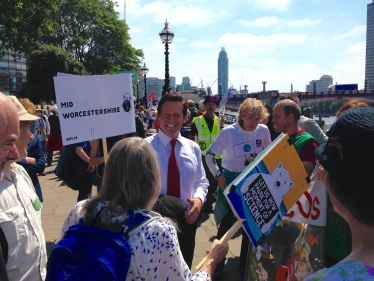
(328, 120)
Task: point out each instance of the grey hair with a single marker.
(54, 109)
(131, 178)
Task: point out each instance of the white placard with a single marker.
(311, 208)
(94, 107)
(225, 98)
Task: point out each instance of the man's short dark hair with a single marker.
(174, 97)
(289, 96)
(290, 107)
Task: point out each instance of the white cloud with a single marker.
(303, 22)
(359, 49)
(357, 30)
(244, 45)
(197, 55)
(203, 44)
(350, 71)
(272, 21)
(173, 11)
(282, 54)
(279, 76)
(265, 21)
(279, 5)
(180, 40)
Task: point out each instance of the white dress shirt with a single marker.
(20, 219)
(193, 183)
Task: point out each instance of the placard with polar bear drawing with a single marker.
(264, 192)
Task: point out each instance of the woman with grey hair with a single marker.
(126, 189)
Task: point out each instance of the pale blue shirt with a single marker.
(193, 183)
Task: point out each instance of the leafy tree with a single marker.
(91, 30)
(43, 65)
(326, 105)
(24, 22)
(320, 106)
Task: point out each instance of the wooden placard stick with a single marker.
(225, 238)
(105, 149)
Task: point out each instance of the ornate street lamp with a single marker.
(145, 70)
(137, 91)
(166, 36)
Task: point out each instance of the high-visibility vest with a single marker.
(204, 136)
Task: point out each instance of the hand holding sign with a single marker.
(225, 238)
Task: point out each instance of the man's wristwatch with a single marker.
(218, 174)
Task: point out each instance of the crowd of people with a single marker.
(188, 173)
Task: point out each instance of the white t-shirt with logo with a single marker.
(238, 147)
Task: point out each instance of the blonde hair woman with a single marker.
(28, 105)
(239, 145)
(132, 182)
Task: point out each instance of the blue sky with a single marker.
(278, 41)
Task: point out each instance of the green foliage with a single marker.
(94, 38)
(327, 106)
(91, 30)
(24, 22)
(43, 65)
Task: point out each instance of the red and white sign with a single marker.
(152, 96)
(311, 208)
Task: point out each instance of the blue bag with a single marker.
(65, 168)
(91, 253)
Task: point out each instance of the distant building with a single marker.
(179, 88)
(369, 65)
(172, 83)
(12, 74)
(245, 91)
(321, 84)
(223, 71)
(186, 83)
(154, 83)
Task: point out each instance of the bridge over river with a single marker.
(304, 97)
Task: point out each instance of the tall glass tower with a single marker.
(223, 71)
(369, 65)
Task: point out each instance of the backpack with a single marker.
(42, 128)
(65, 169)
(95, 254)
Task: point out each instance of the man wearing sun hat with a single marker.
(20, 211)
(204, 130)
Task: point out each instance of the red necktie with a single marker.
(173, 173)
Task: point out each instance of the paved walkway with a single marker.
(59, 200)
